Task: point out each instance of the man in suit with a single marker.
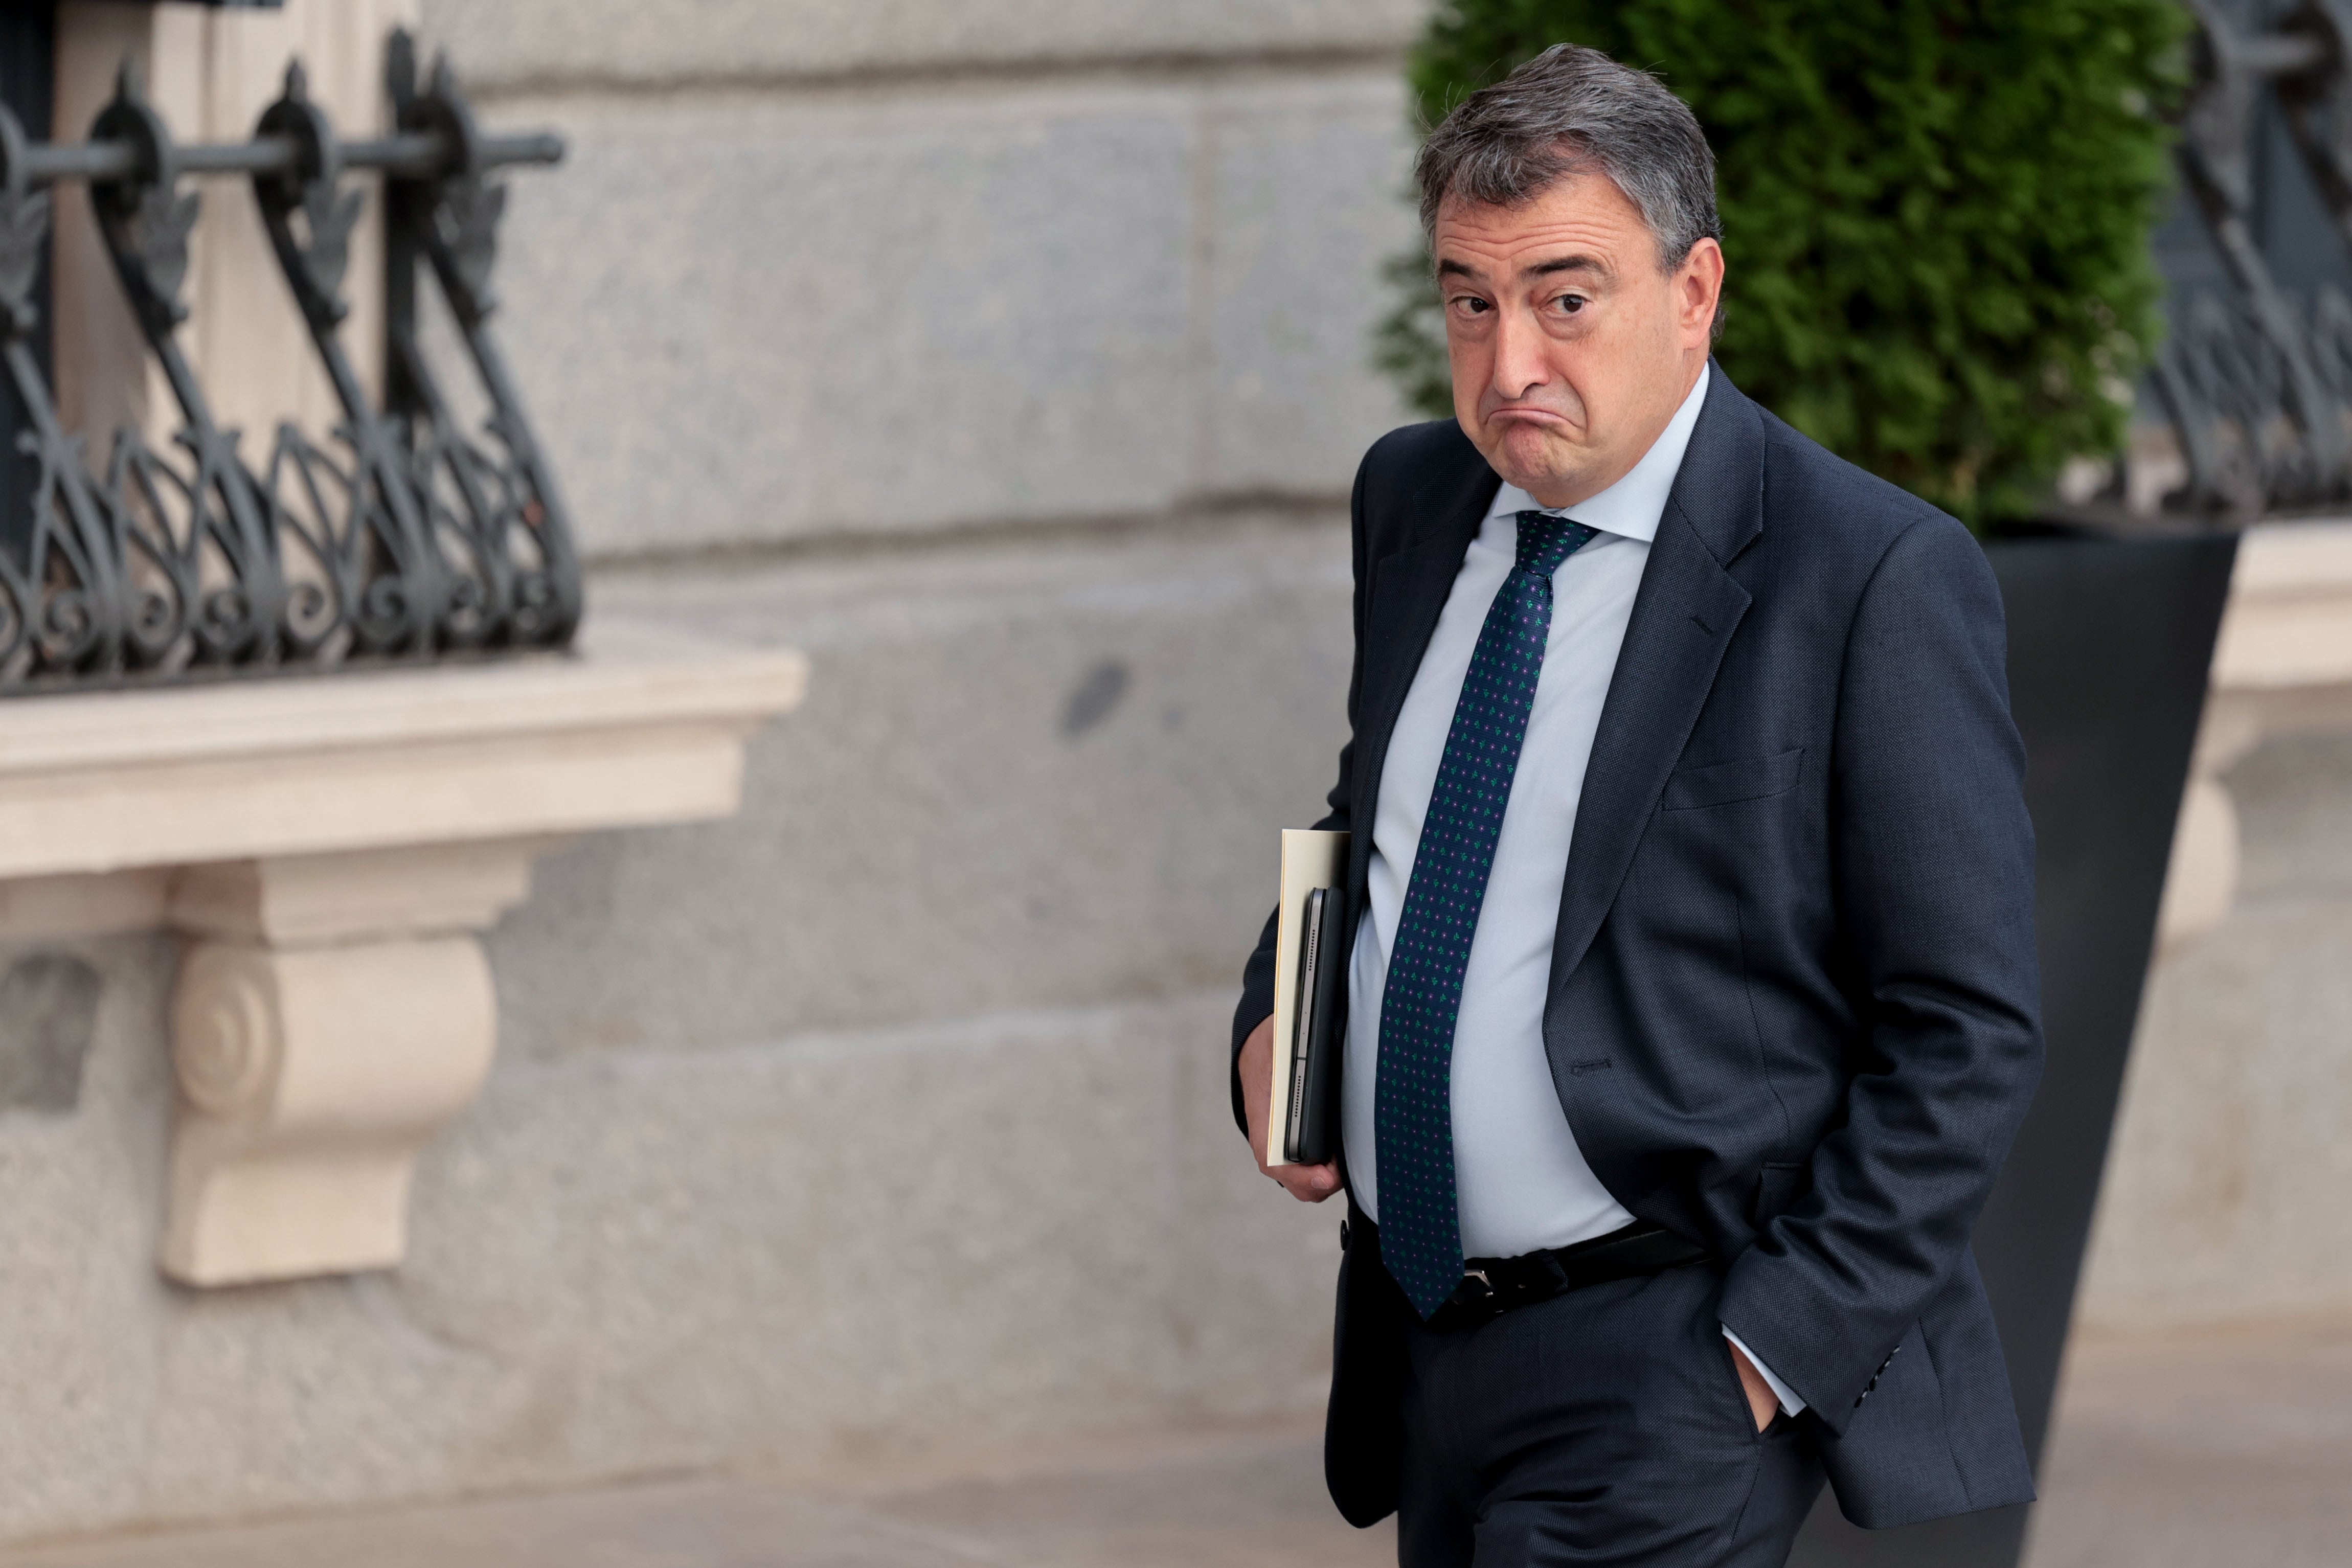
(1692, 994)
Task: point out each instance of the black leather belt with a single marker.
(1492, 1286)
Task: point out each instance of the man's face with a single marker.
(1571, 347)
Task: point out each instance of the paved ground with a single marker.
(2217, 1451)
(1231, 1499)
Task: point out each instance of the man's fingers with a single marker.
(1307, 1184)
(1255, 1066)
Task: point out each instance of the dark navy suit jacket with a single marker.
(1793, 1011)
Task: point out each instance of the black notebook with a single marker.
(1310, 996)
(1322, 998)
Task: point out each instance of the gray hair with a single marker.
(1567, 111)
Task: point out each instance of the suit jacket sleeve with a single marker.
(1257, 974)
(1933, 876)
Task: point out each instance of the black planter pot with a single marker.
(2110, 641)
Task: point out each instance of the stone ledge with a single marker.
(2289, 624)
(2281, 665)
(641, 725)
(330, 847)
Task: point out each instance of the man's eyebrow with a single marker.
(1450, 268)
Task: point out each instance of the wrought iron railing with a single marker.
(2257, 380)
(408, 536)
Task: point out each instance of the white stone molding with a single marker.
(2281, 665)
(330, 847)
(309, 1079)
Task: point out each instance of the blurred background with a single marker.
(855, 1181)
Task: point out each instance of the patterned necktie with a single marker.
(1412, 1114)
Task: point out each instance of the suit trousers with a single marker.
(1605, 1427)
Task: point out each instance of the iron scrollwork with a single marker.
(403, 536)
(2257, 383)
(501, 488)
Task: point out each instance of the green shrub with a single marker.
(1935, 214)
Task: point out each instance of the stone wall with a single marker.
(820, 270)
(1012, 361)
(888, 1118)
(1011, 358)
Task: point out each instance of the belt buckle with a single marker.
(1474, 1301)
(1482, 1306)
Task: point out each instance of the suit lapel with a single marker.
(1684, 616)
(1409, 591)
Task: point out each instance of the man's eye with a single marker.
(1570, 303)
(1471, 305)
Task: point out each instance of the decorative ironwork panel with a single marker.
(2256, 381)
(403, 536)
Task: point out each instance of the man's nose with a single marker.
(1519, 362)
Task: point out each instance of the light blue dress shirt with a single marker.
(1522, 1184)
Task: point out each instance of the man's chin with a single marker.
(1538, 466)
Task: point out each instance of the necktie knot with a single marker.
(1545, 540)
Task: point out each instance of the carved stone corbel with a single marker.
(332, 1013)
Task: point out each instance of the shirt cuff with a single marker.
(1789, 1404)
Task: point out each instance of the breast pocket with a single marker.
(1722, 783)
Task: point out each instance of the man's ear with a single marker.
(1699, 284)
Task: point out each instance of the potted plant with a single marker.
(1937, 217)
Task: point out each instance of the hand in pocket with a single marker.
(1762, 1403)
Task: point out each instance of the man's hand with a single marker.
(1307, 1184)
(1762, 1403)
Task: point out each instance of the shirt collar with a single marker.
(1632, 507)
